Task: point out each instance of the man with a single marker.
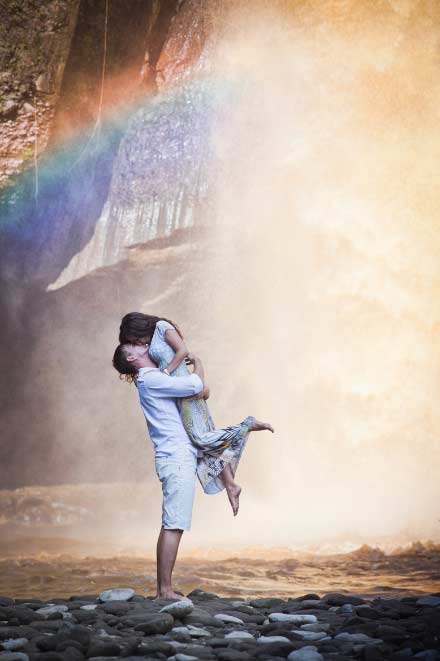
(175, 455)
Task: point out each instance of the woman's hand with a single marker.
(190, 358)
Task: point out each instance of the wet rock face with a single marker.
(150, 633)
(34, 46)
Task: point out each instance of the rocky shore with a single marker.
(119, 623)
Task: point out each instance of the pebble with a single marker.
(316, 626)
(266, 602)
(155, 623)
(428, 600)
(428, 655)
(357, 638)
(310, 635)
(307, 653)
(51, 609)
(197, 632)
(179, 609)
(239, 635)
(14, 644)
(338, 599)
(293, 618)
(228, 618)
(142, 629)
(116, 594)
(273, 639)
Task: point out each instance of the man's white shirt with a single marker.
(157, 395)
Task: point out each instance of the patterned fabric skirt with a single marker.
(219, 446)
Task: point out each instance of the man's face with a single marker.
(135, 351)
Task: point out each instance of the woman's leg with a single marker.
(232, 488)
(261, 426)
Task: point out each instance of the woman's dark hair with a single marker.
(137, 327)
(124, 366)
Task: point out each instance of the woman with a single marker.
(222, 448)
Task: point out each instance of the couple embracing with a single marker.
(153, 355)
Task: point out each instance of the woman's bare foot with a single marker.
(169, 594)
(260, 426)
(234, 492)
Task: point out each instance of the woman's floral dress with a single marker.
(218, 446)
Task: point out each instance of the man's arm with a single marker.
(175, 386)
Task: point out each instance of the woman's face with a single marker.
(142, 341)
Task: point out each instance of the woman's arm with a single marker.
(175, 341)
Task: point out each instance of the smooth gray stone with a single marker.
(46, 643)
(239, 635)
(118, 608)
(428, 655)
(155, 623)
(50, 610)
(21, 613)
(310, 635)
(316, 626)
(103, 648)
(197, 632)
(116, 658)
(74, 632)
(201, 594)
(368, 612)
(265, 640)
(150, 647)
(267, 602)
(253, 617)
(202, 618)
(294, 618)
(65, 644)
(22, 631)
(233, 655)
(14, 644)
(117, 594)
(307, 653)
(338, 599)
(179, 609)
(428, 600)
(355, 638)
(230, 619)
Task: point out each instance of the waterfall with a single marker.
(162, 174)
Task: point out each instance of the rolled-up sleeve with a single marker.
(176, 386)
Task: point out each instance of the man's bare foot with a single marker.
(234, 496)
(169, 594)
(260, 426)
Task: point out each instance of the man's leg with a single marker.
(177, 475)
(167, 547)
